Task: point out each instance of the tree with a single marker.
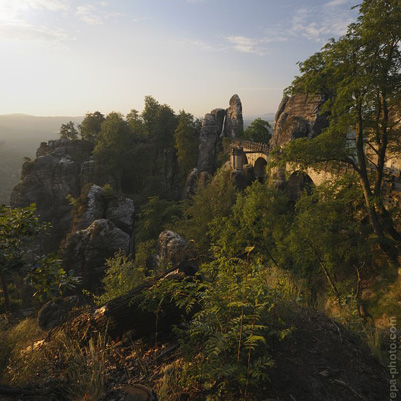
(17, 228)
(68, 131)
(136, 123)
(114, 146)
(361, 74)
(160, 122)
(258, 131)
(91, 126)
(186, 143)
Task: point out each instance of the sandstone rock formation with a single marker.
(46, 181)
(297, 117)
(209, 141)
(234, 124)
(218, 124)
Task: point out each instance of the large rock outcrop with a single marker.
(234, 124)
(299, 116)
(216, 125)
(86, 250)
(47, 180)
(210, 140)
(102, 226)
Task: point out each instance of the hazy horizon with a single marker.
(70, 57)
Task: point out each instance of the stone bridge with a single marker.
(247, 152)
(257, 154)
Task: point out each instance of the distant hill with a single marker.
(20, 136)
(267, 117)
(24, 133)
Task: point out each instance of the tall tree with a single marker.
(68, 131)
(258, 131)
(91, 126)
(137, 125)
(186, 142)
(160, 122)
(361, 72)
(114, 146)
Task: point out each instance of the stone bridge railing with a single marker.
(249, 146)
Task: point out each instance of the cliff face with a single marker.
(102, 223)
(60, 168)
(216, 125)
(298, 117)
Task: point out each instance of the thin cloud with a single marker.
(15, 25)
(320, 23)
(23, 31)
(51, 5)
(336, 3)
(89, 15)
(244, 44)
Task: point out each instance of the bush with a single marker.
(121, 276)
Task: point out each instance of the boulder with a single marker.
(138, 392)
(172, 249)
(56, 311)
(86, 250)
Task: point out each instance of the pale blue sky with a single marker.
(68, 57)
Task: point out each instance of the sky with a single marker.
(69, 57)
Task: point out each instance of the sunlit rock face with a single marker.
(299, 116)
(234, 124)
(216, 125)
(47, 180)
(209, 143)
(172, 249)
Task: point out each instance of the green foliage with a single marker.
(258, 131)
(49, 279)
(69, 131)
(18, 228)
(113, 148)
(154, 217)
(327, 238)
(91, 126)
(259, 218)
(13, 339)
(360, 75)
(186, 143)
(160, 122)
(137, 125)
(121, 276)
(212, 201)
(225, 344)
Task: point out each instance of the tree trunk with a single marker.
(129, 312)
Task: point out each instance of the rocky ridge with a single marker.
(58, 171)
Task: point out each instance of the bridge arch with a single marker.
(299, 182)
(259, 168)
